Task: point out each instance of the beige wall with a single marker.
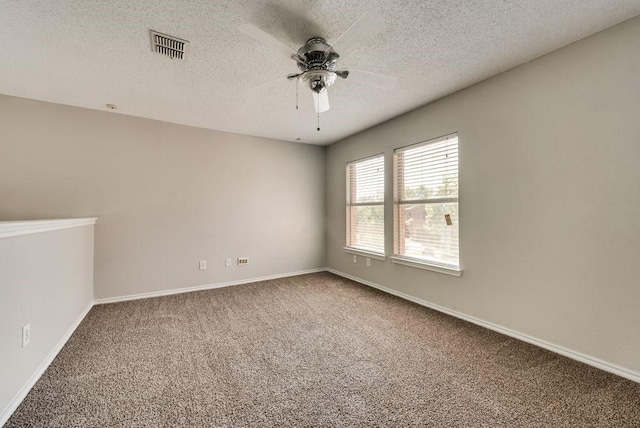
(46, 280)
(166, 195)
(549, 199)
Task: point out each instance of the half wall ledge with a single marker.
(17, 228)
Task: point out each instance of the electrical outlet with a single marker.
(203, 264)
(355, 259)
(368, 262)
(243, 261)
(227, 261)
(26, 335)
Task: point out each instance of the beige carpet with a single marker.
(312, 350)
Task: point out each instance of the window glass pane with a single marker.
(427, 236)
(368, 180)
(368, 228)
(429, 171)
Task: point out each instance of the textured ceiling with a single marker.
(88, 53)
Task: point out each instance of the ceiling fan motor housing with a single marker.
(318, 55)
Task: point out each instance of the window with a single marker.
(365, 205)
(425, 204)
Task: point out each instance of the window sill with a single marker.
(364, 253)
(426, 266)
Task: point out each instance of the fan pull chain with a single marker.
(318, 112)
(297, 94)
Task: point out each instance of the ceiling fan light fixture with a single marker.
(318, 80)
(318, 86)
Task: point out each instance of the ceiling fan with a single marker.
(317, 60)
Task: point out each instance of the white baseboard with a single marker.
(13, 405)
(592, 361)
(202, 287)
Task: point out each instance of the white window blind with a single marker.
(426, 202)
(365, 204)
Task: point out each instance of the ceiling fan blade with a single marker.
(368, 26)
(321, 101)
(374, 80)
(342, 73)
(293, 76)
(267, 39)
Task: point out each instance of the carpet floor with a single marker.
(311, 350)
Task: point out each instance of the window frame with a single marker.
(350, 204)
(421, 263)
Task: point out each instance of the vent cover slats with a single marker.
(170, 46)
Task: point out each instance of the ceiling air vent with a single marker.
(170, 46)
